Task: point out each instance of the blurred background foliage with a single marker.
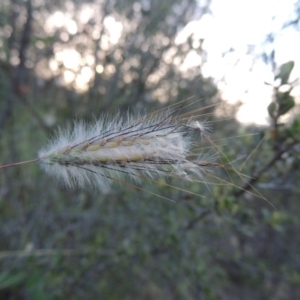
(61, 60)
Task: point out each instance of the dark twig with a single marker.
(20, 73)
(277, 156)
(25, 39)
(192, 223)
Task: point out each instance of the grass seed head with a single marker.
(139, 147)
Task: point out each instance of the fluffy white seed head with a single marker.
(151, 146)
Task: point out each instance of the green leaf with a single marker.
(9, 280)
(286, 102)
(285, 72)
(272, 108)
(295, 127)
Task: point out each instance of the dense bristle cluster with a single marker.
(152, 146)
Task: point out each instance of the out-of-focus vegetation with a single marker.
(77, 59)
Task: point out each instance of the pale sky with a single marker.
(232, 29)
(237, 24)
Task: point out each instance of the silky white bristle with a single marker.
(151, 146)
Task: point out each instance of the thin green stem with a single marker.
(19, 163)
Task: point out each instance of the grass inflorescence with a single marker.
(138, 147)
(168, 143)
